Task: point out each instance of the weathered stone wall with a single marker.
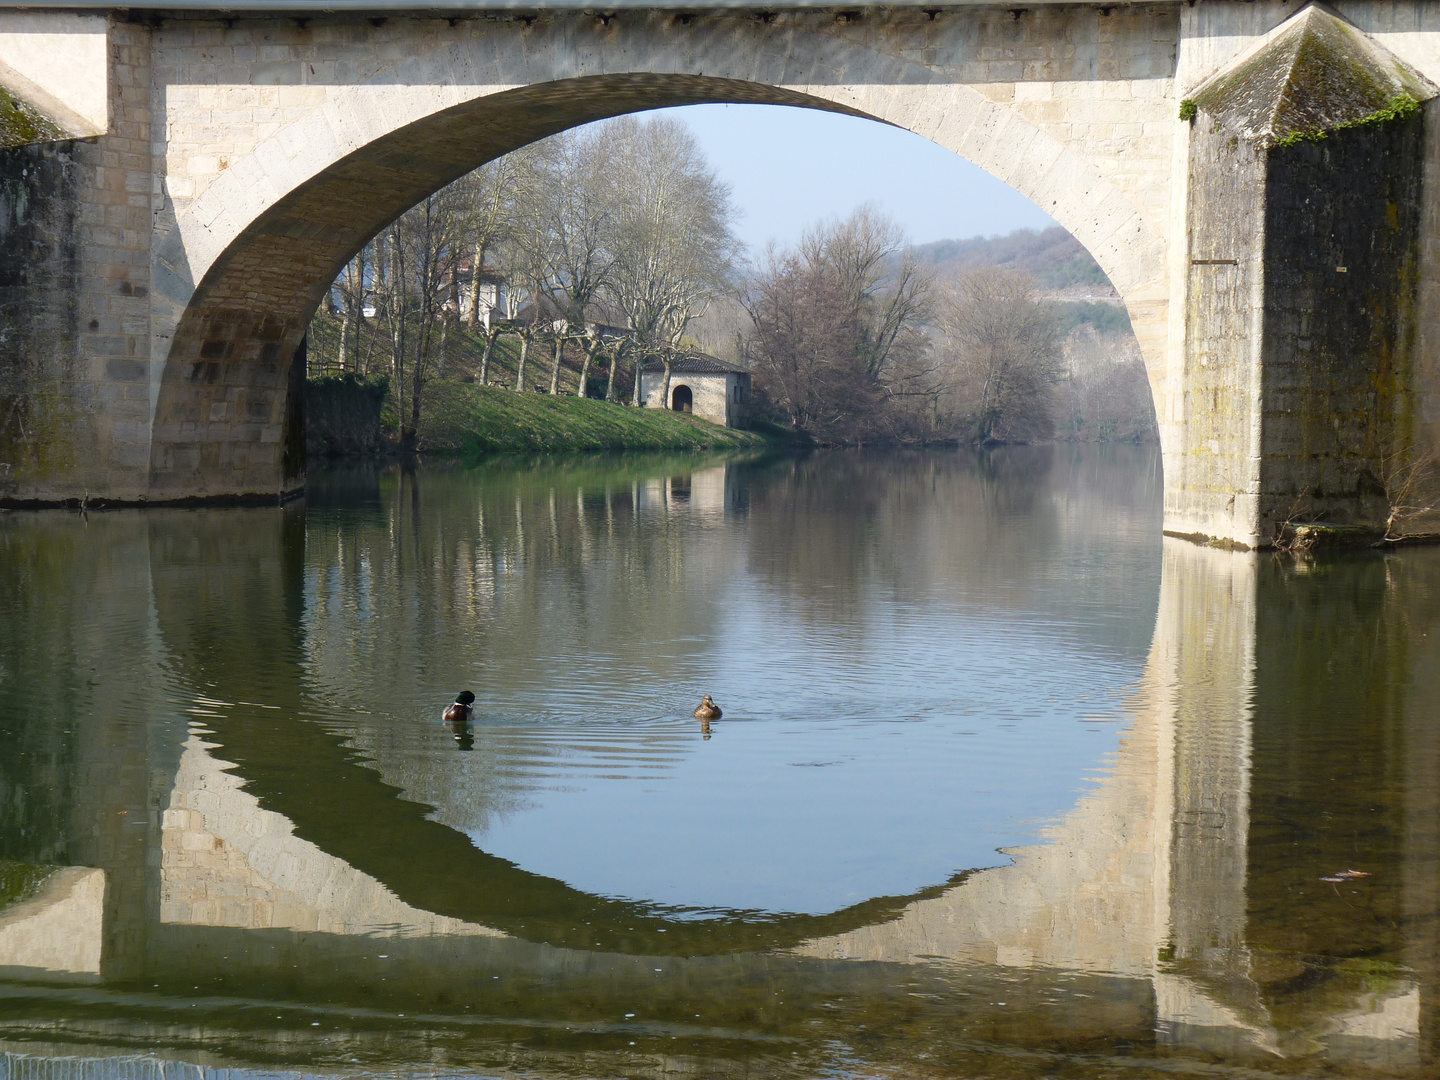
(1212, 475)
(1342, 246)
(278, 146)
(342, 415)
(75, 356)
(39, 337)
(1304, 366)
(713, 395)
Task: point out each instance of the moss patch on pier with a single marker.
(1319, 74)
(21, 881)
(21, 123)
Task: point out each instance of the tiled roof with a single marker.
(697, 364)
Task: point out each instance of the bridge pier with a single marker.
(1306, 186)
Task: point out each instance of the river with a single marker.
(1007, 784)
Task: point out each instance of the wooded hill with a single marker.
(1054, 258)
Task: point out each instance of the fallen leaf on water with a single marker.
(1352, 873)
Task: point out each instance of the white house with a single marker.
(699, 384)
(492, 297)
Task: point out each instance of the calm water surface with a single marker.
(1006, 785)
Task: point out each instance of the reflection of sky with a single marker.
(910, 650)
(852, 761)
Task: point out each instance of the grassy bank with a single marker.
(462, 418)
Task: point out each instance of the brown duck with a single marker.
(707, 710)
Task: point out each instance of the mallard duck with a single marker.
(707, 710)
(460, 712)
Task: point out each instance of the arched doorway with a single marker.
(682, 399)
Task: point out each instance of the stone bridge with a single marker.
(183, 184)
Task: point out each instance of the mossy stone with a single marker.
(1318, 74)
(21, 123)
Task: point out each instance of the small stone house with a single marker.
(699, 384)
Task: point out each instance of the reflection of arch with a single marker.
(310, 777)
(682, 399)
(323, 786)
(250, 256)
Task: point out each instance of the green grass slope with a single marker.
(470, 418)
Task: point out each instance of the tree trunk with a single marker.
(397, 327)
(490, 336)
(410, 433)
(520, 367)
(474, 317)
(397, 358)
(615, 355)
(635, 389)
(555, 369)
(590, 348)
(357, 314)
(344, 334)
(665, 383)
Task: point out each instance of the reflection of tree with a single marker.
(516, 583)
(229, 604)
(1018, 528)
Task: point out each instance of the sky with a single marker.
(789, 168)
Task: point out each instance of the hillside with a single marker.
(1055, 258)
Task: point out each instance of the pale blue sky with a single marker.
(789, 167)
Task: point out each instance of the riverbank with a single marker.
(466, 418)
(352, 417)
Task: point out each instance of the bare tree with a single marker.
(673, 248)
(838, 343)
(624, 215)
(421, 250)
(803, 345)
(868, 255)
(353, 289)
(1005, 348)
(576, 212)
(495, 193)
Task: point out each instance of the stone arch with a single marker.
(248, 259)
(682, 398)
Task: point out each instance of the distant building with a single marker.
(492, 295)
(699, 384)
(598, 320)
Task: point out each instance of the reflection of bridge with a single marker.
(1155, 887)
(229, 165)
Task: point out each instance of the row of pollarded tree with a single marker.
(615, 240)
(611, 238)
